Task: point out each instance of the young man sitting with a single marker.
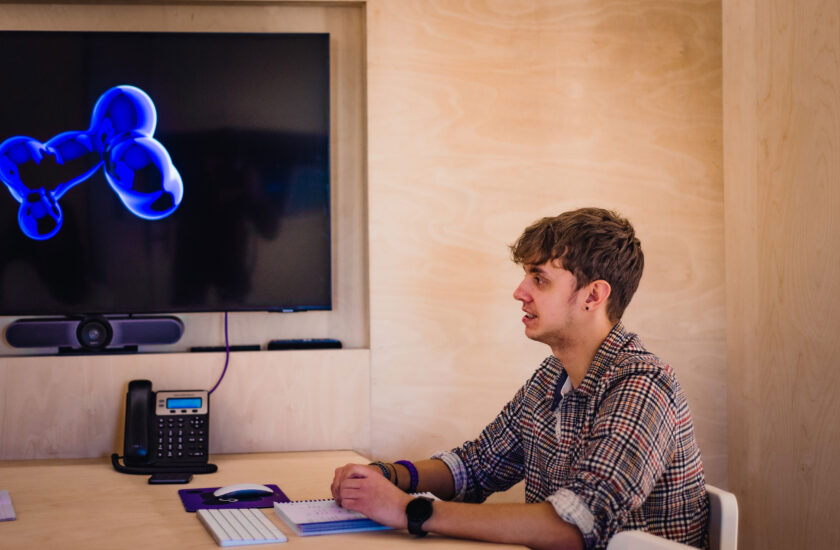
(601, 433)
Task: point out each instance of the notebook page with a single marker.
(316, 511)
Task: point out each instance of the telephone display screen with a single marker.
(184, 403)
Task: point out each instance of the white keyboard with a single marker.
(239, 526)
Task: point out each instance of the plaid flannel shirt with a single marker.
(616, 453)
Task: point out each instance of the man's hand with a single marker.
(343, 473)
(364, 489)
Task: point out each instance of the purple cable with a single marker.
(227, 356)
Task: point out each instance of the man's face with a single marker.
(550, 303)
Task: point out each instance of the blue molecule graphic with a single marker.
(119, 140)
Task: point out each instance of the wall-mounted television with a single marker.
(233, 174)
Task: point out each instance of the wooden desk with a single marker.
(86, 504)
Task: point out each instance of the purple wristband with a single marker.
(412, 471)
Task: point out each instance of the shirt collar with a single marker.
(605, 357)
(559, 377)
(562, 386)
(567, 387)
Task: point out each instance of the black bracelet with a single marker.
(385, 471)
(396, 479)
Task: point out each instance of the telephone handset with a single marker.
(165, 431)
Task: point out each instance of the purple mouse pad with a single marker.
(196, 499)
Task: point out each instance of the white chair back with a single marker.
(723, 528)
(723, 519)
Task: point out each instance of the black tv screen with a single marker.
(164, 172)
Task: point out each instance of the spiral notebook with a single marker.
(325, 517)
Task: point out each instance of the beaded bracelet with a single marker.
(385, 471)
(412, 471)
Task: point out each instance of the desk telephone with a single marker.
(165, 431)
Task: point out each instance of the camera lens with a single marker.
(94, 333)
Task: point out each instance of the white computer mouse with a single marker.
(242, 490)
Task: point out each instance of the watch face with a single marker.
(417, 512)
(419, 509)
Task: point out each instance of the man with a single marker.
(601, 432)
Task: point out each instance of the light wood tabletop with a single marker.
(86, 504)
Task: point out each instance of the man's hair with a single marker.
(591, 243)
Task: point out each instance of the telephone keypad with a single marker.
(182, 438)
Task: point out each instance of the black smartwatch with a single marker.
(417, 512)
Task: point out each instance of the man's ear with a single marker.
(597, 293)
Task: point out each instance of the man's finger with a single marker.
(359, 470)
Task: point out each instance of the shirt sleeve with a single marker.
(492, 462)
(631, 442)
(459, 472)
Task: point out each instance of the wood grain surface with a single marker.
(86, 504)
(782, 114)
(484, 116)
(73, 407)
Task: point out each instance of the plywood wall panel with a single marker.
(782, 114)
(484, 116)
(73, 407)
